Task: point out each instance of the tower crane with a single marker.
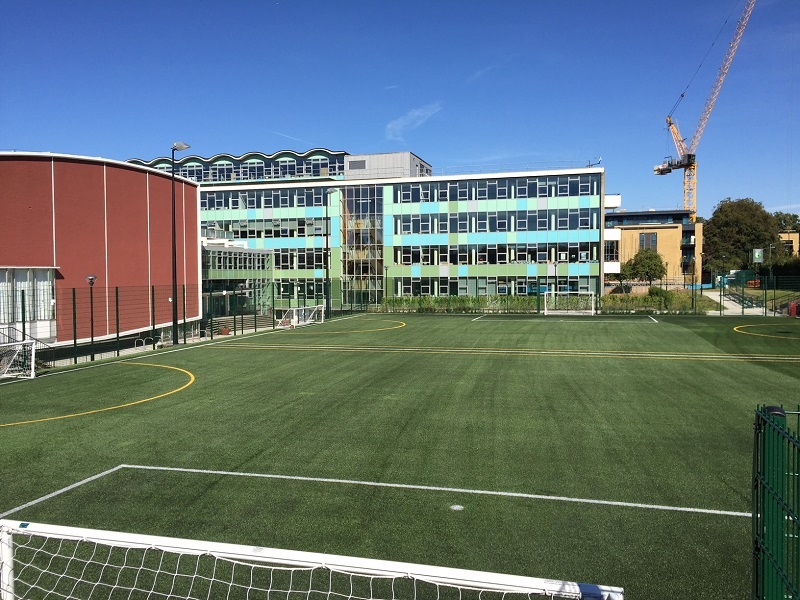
(687, 155)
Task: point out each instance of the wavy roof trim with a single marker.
(243, 157)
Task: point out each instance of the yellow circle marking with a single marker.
(126, 405)
(740, 328)
(400, 325)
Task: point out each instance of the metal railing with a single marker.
(776, 504)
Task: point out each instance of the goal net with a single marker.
(17, 359)
(299, 316)
(569, 303)
(38, 561)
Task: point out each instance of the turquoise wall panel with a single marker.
(463, 270)
(416, 270)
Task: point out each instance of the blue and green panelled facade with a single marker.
(403, 234)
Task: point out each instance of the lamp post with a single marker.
(176, 147)
(90, 279)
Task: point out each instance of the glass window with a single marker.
(648, 240)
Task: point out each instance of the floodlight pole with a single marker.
(177, 146)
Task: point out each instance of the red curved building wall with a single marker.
(90, 216)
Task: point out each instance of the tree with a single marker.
(787, 221)
(734, 230)
(648, 265)
(626, 273)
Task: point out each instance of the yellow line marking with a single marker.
(532, 352)
(739, 329)
(485, 350)
(126, 405)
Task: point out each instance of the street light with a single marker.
(90, 279)
(176, 147)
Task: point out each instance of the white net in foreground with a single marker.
(38, 561)
(301, 315)
(17, 359)
(569, 303)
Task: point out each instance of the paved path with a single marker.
(732, 308)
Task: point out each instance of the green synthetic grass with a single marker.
(615, 409)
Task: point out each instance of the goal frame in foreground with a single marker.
(18, 359)
(570, 303)
(361, 576)
(300, 316)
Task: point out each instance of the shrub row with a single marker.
(657, 300)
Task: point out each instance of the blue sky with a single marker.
(503, 84)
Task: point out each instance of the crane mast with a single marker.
(687, 158)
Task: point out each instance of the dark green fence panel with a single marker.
(776, 504)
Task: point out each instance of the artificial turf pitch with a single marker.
(517, 420)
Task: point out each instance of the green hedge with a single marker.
(460, 304)
(656, 300)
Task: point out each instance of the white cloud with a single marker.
(480, 73)
(396, 129)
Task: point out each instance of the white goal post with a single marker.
(300, 316)
(52, 561)
(570, 303)
(18, 359)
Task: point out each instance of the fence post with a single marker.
(255, 308)
(183, 291)
(74, 328)
(153, 315)
(235, 301)
(116, 314)
(24, 315)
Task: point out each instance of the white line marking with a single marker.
(654, 321)
(61, 491)
(478, 318)
(150, 354)
(405, 486)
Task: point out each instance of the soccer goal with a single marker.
(569, 303)
(300, 315)
(38, 561)
(17, 359)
